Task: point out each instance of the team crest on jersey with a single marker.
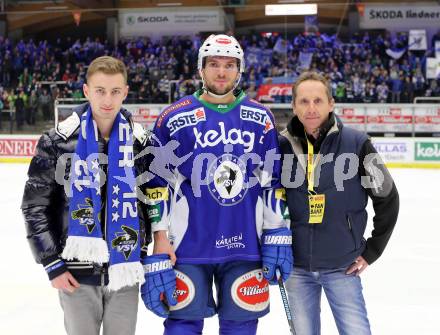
(227, 180)
(185, 291)
(186, 119)
(256, 115)
(250, 291)
(126, 241)
(84, 214)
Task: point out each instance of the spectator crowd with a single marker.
(35, 73)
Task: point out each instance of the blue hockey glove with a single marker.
(160, 283)
(276, 251)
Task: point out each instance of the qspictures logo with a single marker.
(427, 151)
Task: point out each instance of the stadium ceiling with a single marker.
(41, 15)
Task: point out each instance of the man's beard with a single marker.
(213, 89)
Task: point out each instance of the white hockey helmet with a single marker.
(221, 45)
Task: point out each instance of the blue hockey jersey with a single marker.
(216, 184)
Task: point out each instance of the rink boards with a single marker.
(412, 152)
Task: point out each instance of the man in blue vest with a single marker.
(329, 172)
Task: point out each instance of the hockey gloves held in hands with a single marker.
(160, 283)
(276, 251)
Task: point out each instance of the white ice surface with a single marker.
(402, 289)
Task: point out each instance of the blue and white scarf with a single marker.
(119, 243)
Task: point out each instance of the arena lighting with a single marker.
(169, 4)
(291, 9)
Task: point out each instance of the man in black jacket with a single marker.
(82, 209)
(329, 172)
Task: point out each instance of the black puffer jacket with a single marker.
(45, 204)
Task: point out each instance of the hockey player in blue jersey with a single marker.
(217, 210)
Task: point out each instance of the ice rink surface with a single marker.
(402, 289)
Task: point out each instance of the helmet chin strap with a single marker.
(218, 96)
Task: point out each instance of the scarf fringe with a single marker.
(125, 274)
(86, 249)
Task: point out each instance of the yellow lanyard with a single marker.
(311, 165)
(316, 201)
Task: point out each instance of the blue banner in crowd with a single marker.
(282, 46)
(266, 58)
(311, 24)
(305, 59)
(253, 56)
(281, 80)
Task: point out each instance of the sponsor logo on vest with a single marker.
(258, 116)
(212, 137)
(185, 291)
(251, 291)
(158, 266)
(186, 119)
(427, 151)
(157, 194)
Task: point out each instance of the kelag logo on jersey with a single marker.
(251, 291)
(186, 119)
(227, 180)
(256, 115)
(233, 136)
(185, 291)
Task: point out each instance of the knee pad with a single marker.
(231, 327)
(183, 327)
